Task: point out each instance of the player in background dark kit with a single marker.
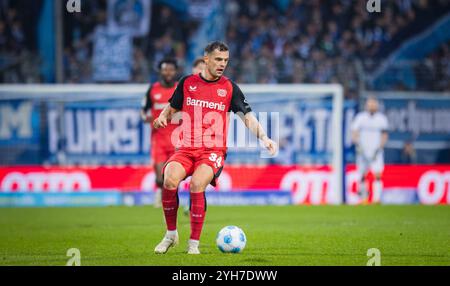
(153, 103)
(204, 100)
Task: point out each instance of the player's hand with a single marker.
(147, 118)
(271, 146)
(376, 154)
(358, 149)
(160, 122)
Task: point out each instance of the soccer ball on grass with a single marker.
(231, 239)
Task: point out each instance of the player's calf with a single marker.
(198, 212)
(170, 208)
(377, 189)
(200, 179)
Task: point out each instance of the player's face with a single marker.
(198, 68)
(372, 105)
(168, 72)
(216, 62)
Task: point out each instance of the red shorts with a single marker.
(161, 152)
(191, 159)
(162, 146)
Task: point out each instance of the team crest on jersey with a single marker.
(192, 88)
(222, 92)
(157, 96)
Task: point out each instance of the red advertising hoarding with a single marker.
(427, 184)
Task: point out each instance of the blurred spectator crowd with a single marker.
(434, 72)
(326, 41)
(167, 38)
(19, 61)
(304, 41)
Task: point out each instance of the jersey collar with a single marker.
(167, 85)
(209, 81)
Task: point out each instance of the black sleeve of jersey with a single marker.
(238, 101)
(147, 100)
(176, 101)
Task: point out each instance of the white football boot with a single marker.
(169, 240)
(193, 247)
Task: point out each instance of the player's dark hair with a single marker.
(216, 45)
(169, 61)
(198, 61)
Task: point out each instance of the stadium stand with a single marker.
(274, 41)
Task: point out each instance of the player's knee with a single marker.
(170, 182)
(196, 186)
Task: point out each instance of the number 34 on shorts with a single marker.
(213, 157)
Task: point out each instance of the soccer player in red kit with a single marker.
(204, 101)
(153, 103)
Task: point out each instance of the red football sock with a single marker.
(198, 210)
(170, 206)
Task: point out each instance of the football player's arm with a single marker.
(146, 105)
(384, 134)
(355, 130)
(384, 139)
(355, 134)
(240, 106)
(164, 117)
(175, 105)
(252, 123)
(145, 116)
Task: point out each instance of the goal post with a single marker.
(330, 94)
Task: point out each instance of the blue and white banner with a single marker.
(19, 123)
(104, 127)
(111, 131)
(301, 125)
(422, 120)
(99, 132)
(20, 133)
(60, 199)
(218, 198)
(130, 16)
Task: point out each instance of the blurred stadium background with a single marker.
(70, 131)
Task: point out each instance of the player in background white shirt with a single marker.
(369, 134)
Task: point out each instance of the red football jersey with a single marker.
(155, 100)
(204, 107)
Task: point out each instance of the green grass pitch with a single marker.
(276, 235)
